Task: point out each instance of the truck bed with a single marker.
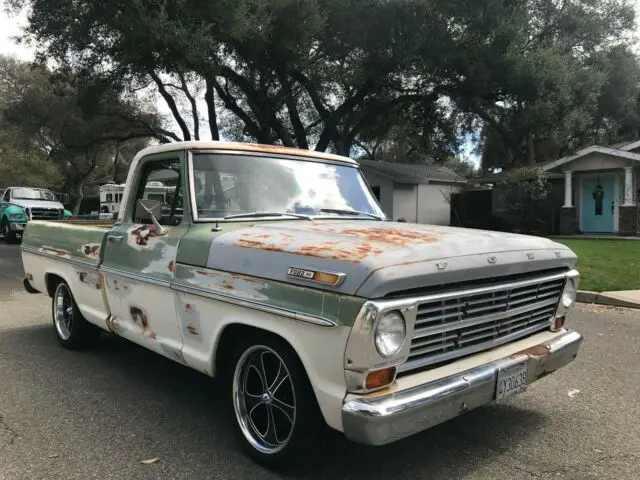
(71, 250)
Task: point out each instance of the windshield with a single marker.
(230, 184)
(32, 194)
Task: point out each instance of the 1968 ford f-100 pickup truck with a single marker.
(276, 270)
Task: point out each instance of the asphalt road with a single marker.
(98, 414)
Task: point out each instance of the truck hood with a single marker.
(379, 257)
(24, 203)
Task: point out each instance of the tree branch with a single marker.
(194, 107)
(211, 109)
(171, 103)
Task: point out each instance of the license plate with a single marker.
(512, 380)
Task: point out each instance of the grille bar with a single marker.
(45, 213)
(452, 325)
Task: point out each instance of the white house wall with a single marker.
(386, 190)
(434, 203)
(404, 202)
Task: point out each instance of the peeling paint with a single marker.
(241, 286)
(141, 236)
(139, 317)
(91, 250)
(192, 329)
(54, 251)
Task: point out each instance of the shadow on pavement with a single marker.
(181, 411)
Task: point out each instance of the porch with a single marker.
(600, 191)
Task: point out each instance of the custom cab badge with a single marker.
(328, 278)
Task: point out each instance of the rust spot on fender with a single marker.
(55, 251)
(188, 308)
(29, 277)
(82, 276)
(172, 266)
(227, 285)
(140, 317)
(192, 329)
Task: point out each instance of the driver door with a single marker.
(139, 262)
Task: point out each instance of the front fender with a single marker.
(14, 213)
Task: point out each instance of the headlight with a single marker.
(390, 334)
(568, 297)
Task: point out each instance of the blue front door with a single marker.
(597, 204)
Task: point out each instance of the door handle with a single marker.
(114, 238)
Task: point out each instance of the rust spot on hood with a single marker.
(395, 236)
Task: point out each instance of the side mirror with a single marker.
(151, 208)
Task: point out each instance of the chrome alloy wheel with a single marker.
(63, 311)
(264, 399)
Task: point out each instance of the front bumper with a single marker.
(17, 226)
(387, 418)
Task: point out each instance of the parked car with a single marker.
(18, 205)
(289, 284)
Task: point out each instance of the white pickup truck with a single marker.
(276, 270)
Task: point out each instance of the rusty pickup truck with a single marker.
(276, 270)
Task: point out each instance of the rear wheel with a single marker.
(72, 330)
(275, 408)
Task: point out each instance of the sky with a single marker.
(11, 26)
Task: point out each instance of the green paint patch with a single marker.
(607, 265)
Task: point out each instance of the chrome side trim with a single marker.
(304, 317)
(135, 276)
(379, 420)
(72, 261)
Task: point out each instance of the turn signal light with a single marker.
(380, 378)
(329, 278)
(558, 323)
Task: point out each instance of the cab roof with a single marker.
(243, 147)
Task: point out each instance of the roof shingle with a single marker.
(410, 172)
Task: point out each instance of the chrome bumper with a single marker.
(385, 419)
(16, 227)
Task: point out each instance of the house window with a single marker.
(109, 197)
(376, 192)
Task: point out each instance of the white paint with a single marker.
(320, 349)
(628, 186)
(567, 189)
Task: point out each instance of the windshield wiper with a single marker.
(349, 212)
(266, 214)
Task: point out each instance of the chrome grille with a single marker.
(45, 213)
(453, 325)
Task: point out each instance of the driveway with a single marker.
(99, 413)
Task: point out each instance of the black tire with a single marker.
(71, 329)
(307, 419)
(9, 236)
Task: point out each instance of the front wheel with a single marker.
(72, 330)
(9, 235)
(275, 408)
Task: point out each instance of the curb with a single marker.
(605, 298)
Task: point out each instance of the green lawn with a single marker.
(607, 265)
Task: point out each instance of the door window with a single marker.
(160, 191)
(6, 196)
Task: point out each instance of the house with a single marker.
(417, 193)
(600, 189)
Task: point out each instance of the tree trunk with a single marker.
(209, 97)
(531, 154)
(79, 197)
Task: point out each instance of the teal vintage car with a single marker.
(21, 204)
